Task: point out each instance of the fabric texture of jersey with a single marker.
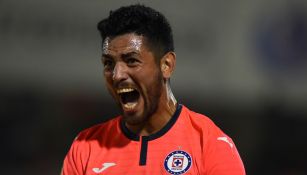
(190, 143)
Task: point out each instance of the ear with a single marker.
(167, 64)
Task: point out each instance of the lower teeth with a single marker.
(129, 105)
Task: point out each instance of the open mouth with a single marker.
(129, 97)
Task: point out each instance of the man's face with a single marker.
(132, 76)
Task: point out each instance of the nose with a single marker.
(119, 72)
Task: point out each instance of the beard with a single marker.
(151, 102)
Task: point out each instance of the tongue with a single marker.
(130, 97)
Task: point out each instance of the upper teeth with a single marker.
(125, 90)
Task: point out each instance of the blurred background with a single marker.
(242, 63)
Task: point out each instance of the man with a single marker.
(154, 135)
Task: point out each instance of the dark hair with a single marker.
(140, 20)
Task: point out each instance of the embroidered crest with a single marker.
(177, 162)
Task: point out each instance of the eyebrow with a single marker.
(126, 55)
(107, 56)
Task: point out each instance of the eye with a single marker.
(132, 61)
(107, 63)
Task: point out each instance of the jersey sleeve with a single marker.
(76, 159)
(221, 155)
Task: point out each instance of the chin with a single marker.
(134, 119)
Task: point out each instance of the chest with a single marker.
(172, 154)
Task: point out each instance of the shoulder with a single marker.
(93, 136)
(200, 121)
(88, 141)
(98, 130)
(220, 153)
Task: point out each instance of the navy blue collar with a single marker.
(129, 134)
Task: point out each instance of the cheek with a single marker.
(111, 91)
(109, 82)
(147, 74)
(108, 77)
(149, 82)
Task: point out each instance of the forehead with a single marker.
(124, 43)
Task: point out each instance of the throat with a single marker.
(153, 125)
(143, 130)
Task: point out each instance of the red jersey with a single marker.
(190, 143)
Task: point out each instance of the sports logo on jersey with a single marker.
(177, 162)
(104, 167)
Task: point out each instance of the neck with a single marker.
(166, 109)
